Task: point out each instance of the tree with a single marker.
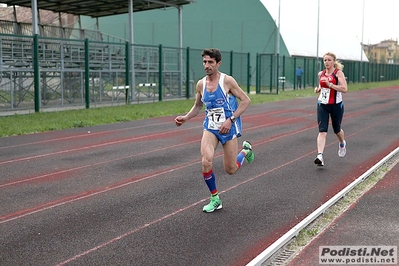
(382, 59)
(395, 58)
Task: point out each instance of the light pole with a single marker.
(278, 29)
(278, 48)
(361, 47)
(318, 25)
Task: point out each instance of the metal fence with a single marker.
(275, 73)
(39, 72)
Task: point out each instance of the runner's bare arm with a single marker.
(233, 88)
(197, 107)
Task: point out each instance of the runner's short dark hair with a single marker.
(213, 53)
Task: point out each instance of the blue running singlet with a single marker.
(219, 106)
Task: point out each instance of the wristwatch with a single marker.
(232, 118)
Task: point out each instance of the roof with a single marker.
(97, 8)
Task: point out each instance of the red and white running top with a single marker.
(327, 95)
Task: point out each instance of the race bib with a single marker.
(216, 117)
(324, 95)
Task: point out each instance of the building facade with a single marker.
(385, 52)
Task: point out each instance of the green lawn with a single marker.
(49, 121)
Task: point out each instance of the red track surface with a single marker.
(132, 193)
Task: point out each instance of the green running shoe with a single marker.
(249, 154)
(215, 204)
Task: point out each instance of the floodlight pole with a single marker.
(318, 26)
(278, 30)
(278, 47)
(180, 10)
(361, 48)
(34, 17)
(361, 54)
(36, 73)
(132, 64)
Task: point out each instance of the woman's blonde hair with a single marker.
(337, 63)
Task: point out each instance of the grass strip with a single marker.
(18, 124)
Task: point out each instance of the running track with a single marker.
(132, 193)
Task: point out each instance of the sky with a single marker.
(343, 24)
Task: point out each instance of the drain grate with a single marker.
(281, 258)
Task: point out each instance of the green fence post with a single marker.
(363, 75)
(277, 71)
(295, 79)
(127, 73)
(257, 77)
(160, 73)
(36, 72)
(306, 69)
(271, 73)
(314, 73)
(369, 72)
(87, 76)
(384, 71)
(188, 73)
(248, 73)
(231, 63)
(284, 77)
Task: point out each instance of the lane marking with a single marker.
(23, 213)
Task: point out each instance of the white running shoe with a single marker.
(319, 160)
(342, 150)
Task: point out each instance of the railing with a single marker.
(41, 72)
(53, 31)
